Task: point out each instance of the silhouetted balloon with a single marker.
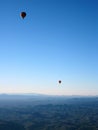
(23, 14)
(60, 81)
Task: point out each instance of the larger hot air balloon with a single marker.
(59, 81)
(23, 14)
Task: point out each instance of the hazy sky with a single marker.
(57, 40)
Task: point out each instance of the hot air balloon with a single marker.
(23, 14)
(59, 81)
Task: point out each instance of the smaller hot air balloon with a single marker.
(23, 14)
(59, 81)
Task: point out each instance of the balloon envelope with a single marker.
(23, 14)
(60, 81)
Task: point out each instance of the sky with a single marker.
(57, 40)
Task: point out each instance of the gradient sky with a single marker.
(57, 40)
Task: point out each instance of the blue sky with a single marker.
(57, 40)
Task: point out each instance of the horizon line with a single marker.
(47, 94)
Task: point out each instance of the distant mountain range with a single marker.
(27, 95)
